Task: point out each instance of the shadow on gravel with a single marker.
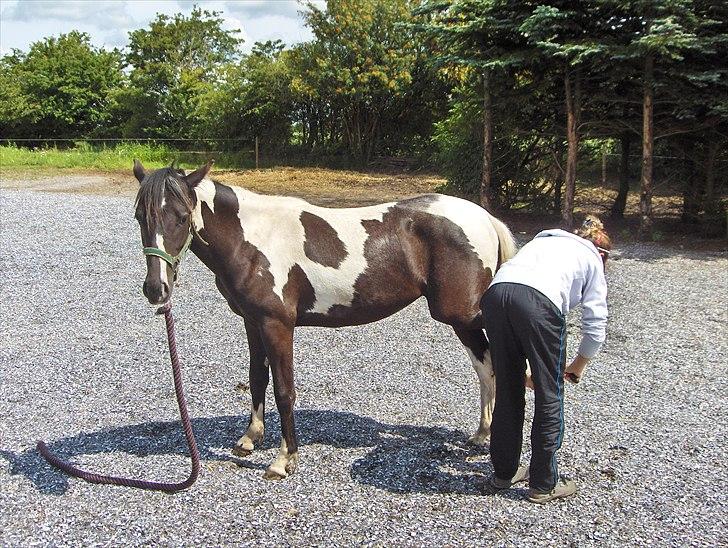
(403, 459)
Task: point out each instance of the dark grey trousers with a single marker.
(521, 324)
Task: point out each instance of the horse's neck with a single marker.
(220, 227)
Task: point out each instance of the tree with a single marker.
(364, 65)
(174, 62)
(251, 99)
(572, 37)
(480, 37)
(61, 88)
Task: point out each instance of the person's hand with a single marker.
(575, 369)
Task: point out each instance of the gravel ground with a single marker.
(383, 410)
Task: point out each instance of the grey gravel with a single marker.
(383, 410)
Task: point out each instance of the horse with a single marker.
(281, 262)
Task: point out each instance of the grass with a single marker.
(86, 157)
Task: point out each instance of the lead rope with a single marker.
(68, 468)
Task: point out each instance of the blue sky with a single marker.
(108, 22)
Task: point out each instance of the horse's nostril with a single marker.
(145, 289)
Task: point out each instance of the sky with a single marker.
(108, 22)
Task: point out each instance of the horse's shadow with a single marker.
(403, 458)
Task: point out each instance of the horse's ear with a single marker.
(194, 178)
(139, 171)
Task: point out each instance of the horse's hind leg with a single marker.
(476, 346)
(258, 385)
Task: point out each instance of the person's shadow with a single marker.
(402, 459)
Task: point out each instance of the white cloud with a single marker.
(108, 22)
(252, 9)
(100, 13)
(275, 27)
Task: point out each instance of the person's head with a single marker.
(593, 230)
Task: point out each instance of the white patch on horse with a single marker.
(475, 223)
(273, 225)
(256, 429)
(486, 379)
(284, 464)
(159, 243)
(205, 192)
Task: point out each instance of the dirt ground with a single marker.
(343, 188)
(318, 185)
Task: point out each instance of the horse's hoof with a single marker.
(479, 439)
(278, 470)
(273, 475)
(240, 451)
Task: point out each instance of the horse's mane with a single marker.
(156, 185)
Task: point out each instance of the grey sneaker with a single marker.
(563, 488)
(499, 484)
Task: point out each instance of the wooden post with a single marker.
(256, 152)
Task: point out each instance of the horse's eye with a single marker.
(182, 220)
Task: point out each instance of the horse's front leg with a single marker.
(258, 384)
(278, 341)
(476, 346)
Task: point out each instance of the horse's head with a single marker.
(164, 206)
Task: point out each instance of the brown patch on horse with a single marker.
(454, 274)
(322, 244)
(298, 289)
(242, 271)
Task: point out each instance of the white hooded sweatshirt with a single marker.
(569, 271)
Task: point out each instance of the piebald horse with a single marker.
(281, 262)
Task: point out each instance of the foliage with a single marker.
(498, 94)
(60, 88)
(251, 99)
(364, 64)
(173, 62)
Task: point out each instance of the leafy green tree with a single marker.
(481, 43)
(61, 88)
(173, 63)
(365, 63)
(251, 99)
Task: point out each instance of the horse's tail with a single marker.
(507, 246)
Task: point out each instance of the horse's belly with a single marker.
(372, 296)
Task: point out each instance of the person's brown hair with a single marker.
(593, 230)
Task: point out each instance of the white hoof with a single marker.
(282, 467)
(480, 438)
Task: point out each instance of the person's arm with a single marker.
(593, 323)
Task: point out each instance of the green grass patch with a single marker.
(119, 157)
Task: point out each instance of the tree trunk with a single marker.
(573, 108)
(620, 201)
(486, 182)
(645, 230)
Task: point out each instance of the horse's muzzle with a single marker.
(156, 293)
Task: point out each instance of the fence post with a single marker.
(256, 152)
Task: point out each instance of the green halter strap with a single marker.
(173, 261)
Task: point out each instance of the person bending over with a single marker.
(526, 305)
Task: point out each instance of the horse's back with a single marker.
(344, 266)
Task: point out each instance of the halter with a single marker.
(175, 260)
